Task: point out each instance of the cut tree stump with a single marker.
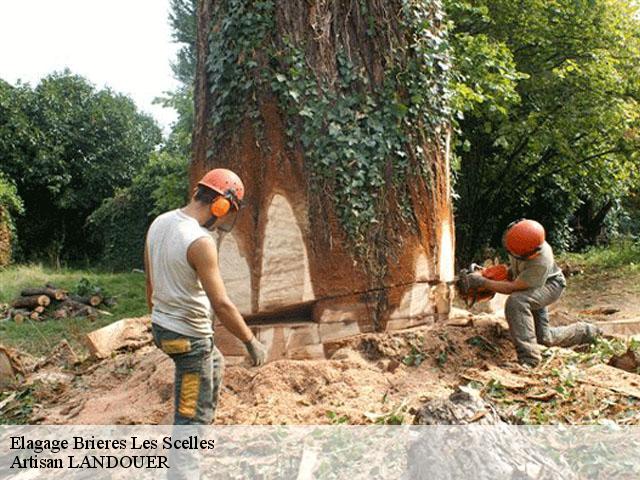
(294, 340)
(463, 407)
(31, 302)
(52, 293)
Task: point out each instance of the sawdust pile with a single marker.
(373, 378)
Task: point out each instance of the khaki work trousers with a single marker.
(528, 319)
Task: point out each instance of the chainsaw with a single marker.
(470, 296)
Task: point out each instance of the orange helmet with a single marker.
(524, 238)
(226, 183)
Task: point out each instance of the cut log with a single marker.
(31, 302)
(60, 313)
(71, 308)
(52, 293)
(19, 316)
(130, 332)
(34, 315)
(110, 302)
(92, 300)
(39, 309)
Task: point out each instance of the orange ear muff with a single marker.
(220, 207)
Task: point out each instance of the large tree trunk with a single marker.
(288, 95)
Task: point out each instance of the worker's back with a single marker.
(537, 270)
(179, 302)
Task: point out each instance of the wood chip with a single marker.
(544, 396)
(611, 378)
(507, 379)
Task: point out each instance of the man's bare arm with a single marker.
(147, 272)
(203, 257)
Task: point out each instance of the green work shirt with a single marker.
(537, 270)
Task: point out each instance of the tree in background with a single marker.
(182, 19)
(68, 146)
(10, 205)
(121, 222)
(549, 93)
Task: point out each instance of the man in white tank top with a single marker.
(185, 288)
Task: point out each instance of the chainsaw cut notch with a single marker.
(300, 313)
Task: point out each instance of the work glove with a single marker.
(257, 351)
(475, 280)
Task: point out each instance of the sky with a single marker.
(123, 44)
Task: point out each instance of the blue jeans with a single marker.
(198, 375)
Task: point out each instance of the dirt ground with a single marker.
(599, 296)
(374, 378)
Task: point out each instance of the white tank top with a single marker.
(179, 302)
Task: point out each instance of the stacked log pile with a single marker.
(51, 302)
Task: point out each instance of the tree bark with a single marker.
(91, 300)
(71, 308)
(52, 293)
(31, 302)
(290, 245)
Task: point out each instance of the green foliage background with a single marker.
(543, 96)
(68, 146)
(120, 224)
(548, 97)
(10, 205)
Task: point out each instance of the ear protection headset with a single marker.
(220, 206)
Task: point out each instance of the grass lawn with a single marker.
(617, 262)
(39, 337)
(623, 256)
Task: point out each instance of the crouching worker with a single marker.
(184, 283)
(534, 283)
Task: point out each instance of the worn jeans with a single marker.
(528, 319)
(198, 375)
